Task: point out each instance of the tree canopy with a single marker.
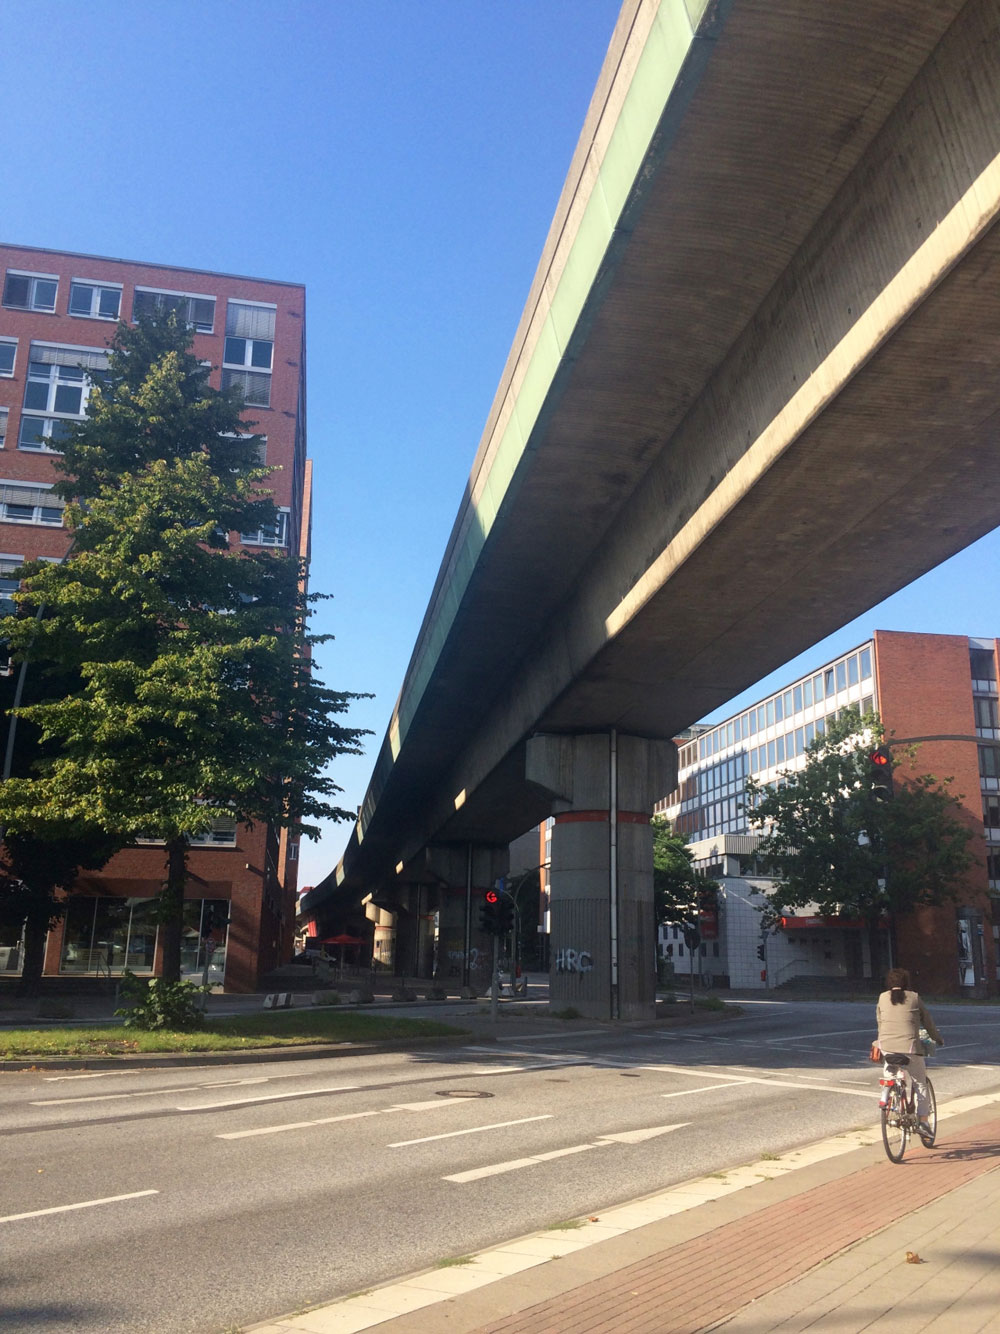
(677, 887)
(196, 695)
(834, 844)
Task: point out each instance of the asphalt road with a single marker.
(201, 1199)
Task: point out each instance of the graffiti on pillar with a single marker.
(456, 959)
(574, 961)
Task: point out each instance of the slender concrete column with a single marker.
(603, 938)
(464, 872)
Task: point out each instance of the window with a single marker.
(30, 291)
(23, 502)
(248, 353)
(269, 537)
(197, 311)
(989, 762)
(9, 584)
(3, 425)
(56, 392)
(841, 670)
(986, 712)
(982, 664)
(99, 302)
(8, 352)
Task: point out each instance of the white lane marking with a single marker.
(85, 1204)
(818, 1037)
(640, 1136)
(729, 1084)
(472, 1130)
(268, 1097)
(147, 1093)
(515, 1164)
(296, 1125)
(435, 1104)
(96, 1074)
(755, 1078)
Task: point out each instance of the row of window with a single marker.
(825, 684)
(727, 777)
(34, 503)
(248, 348)
(58, 386)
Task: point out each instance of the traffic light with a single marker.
(880, 764)
(760, 950)
(489, 913)
(496, 915)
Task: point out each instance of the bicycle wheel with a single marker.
(894, 1126)
(931, 1111)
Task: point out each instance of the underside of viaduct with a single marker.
(751, 395)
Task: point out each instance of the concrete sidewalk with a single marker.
(817, 1239)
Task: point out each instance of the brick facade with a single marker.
(257, 876)
(924, 690)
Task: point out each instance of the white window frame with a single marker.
(47, 417)
(187, 296)
(276, 537)
(9, 342)
(8, 564)
(98, 287)
(36, 519)
(241, 376)
(35, 278)
(4, 419)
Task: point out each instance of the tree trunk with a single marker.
(171, 909)
(34, 957)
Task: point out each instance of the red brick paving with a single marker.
(686, 1287)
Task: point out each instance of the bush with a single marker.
(157, 1004)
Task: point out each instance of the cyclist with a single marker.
(901, 1014)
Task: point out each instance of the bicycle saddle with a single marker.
(895, 1058)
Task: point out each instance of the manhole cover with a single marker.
(463, 1093)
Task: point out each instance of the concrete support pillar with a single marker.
(603, 934)
(464, 873)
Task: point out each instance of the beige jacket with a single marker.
(899, 1025)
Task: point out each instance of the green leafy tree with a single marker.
(831, 842)
(676, 885)
(197, 696)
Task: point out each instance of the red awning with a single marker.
(343, 939)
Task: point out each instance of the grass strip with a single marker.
(292, 1028)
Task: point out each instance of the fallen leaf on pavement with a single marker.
(912, 1258)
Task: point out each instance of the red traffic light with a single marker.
(492, 896)
(879, 757)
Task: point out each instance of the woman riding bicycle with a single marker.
(901, 1014)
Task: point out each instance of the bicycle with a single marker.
(897, 1107)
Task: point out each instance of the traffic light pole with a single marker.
(495, 983)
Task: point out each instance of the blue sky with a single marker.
(402, 159)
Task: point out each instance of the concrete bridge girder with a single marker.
(777, 407)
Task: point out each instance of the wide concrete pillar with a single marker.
(603, 932)
(463, 873)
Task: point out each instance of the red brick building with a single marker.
(939, 690)
(57, 314)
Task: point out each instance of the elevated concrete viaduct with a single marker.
(752, 393)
